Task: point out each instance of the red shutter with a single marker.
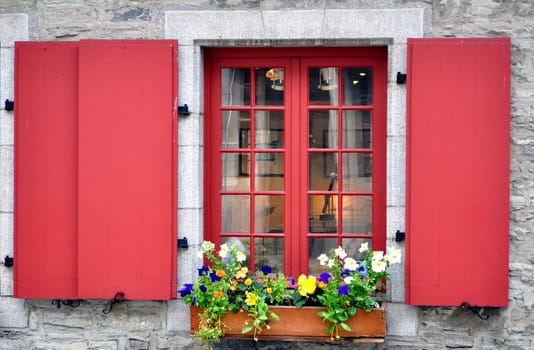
(457, 201)
(95, 170)
(46, 97)
(127, 152)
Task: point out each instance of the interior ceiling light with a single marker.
(276, 75)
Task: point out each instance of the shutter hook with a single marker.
(119, 297)
(479, 311)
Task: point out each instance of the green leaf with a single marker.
(345, 326)
(274, 316)
(246, 329)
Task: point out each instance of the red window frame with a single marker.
(295, 62)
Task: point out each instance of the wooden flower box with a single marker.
(304, 325)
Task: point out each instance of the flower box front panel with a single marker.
(302, 324)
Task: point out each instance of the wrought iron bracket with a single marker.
(479, 311)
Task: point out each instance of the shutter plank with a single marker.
(457, 198)
(46, 96)
(127, 176)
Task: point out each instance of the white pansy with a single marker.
(378, 265)
(241, 257)
(348, 279)
(350, 264)
(340, 253)
(394, 256)
(207, 246)
(364, 247)
(223, 252)
(330, 263)
(378, 255)
(323, 259)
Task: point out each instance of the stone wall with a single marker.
(36, 324)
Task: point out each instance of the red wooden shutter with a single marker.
(457, 201)
(95, 170)
(46, 97)
(127, 152)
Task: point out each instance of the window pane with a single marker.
(269, 86)
(318, 246)
(269, 172)
(323, 86)
(323, 129)
(357, 129)
(242, 244)
(235, 86)
(269, 213)
(235, 172)
(352, 246)
(322, 213)
(269, 129)
(235, 213)
(235, 129)
(269, 251)
(357, 86)
(357, 172)
(323, 171)
(357, 212)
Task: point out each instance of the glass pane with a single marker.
(357, 129)
(269, 86)
(322, 213)
(269, 214)
(235, 213)
(323, 171)
(235, 86)
(323, 86)
(235, 129)
(357, 212)
(318, 246)
(269, 171)
(323, 129)
(235, 172)
(242, 244)
(352, 246)
(269, 251)
(269, 129)
(357, 86)
(357, 172)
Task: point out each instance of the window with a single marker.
(95, 169)
(295, 152)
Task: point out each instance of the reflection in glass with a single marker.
(322, 171)
(235, 172)
(318, 246)
(357, 216)
(269, 129)
(323, 213)
(235, 127)
(357, 172)
(269, 86)
(235, 213)
(357, 129)
(323, 86)
(269, 214)
(323, 129)
(352, 246)
(235, 86)
(357, 86)
(242, 244)
(269, 171)
(269, 251)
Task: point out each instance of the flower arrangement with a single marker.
(344, 286)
